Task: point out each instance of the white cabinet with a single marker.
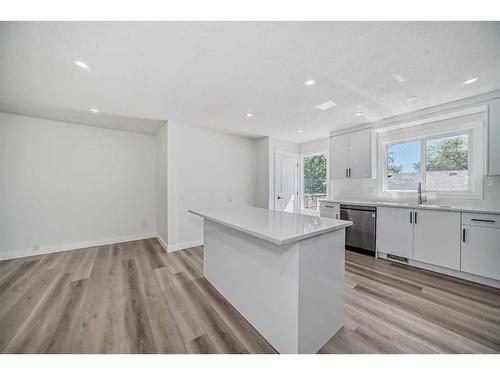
(494, 138)
(395, 231)
(436, 238)
(329, 209)
(425, 235)
(339, 156)
(481, 245)
(360, 154)
(352, 155)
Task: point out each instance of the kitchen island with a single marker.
(283, 272)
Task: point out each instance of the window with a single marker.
(447, 163)
(314, 180)
(403, 166)
(442, 166)
(445, 154)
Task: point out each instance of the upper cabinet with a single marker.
(494, 138)
(352, 155)
(339, 156)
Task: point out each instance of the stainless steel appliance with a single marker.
(362, 233)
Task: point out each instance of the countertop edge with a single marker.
(416, 206)
(276, 241)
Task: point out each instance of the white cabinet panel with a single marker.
(329, 209)
(494, 139)
(339, 156)
(360, 154)
(481, 251)
(436, 238)
(395, 231)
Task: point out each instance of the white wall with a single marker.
(162, 186)
(315, 146)
(262, 178)
(205, 168)
(68, 186)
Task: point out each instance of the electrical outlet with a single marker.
(35, 247)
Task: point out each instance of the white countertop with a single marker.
(274, 226)
(425, 206)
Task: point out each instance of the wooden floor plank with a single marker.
(135, 298)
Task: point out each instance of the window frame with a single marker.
(301, 179)
(472, 125)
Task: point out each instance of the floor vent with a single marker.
(398, 258)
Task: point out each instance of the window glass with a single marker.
(403, 166)
(447, 163)
(314, 180)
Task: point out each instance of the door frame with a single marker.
(301, 178)
(296, 203)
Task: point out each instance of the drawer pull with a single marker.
(483, 220)
(327, 206)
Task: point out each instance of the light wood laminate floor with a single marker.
(135, 298)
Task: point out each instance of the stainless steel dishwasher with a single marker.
(362, 233)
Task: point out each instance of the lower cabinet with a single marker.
(395, 231)
(481, 250)
(329, 209)
(436, 238)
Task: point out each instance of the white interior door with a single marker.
(285, 182)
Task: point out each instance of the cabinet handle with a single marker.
(463, 235)
(327, 206)
(346, 173)
(415, 217)
(483, 220)
(411, 215)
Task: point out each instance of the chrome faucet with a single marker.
(419, 192)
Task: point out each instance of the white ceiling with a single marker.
(210, 74)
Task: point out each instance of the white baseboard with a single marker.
(74, 246)
(184, 245)
(162, 242)
(446, 271)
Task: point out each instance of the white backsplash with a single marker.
(366, 189)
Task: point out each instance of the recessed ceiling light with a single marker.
(310, 82)
(249, 115)
(300, 131)
(81, 64)
(469, 81)
(95, 110)
(326, 105)
(358, 114)
(400, 78)
(411, 98)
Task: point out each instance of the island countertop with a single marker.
(274, 226)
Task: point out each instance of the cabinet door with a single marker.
(395, 231)
(494, 139)
(360, 154)
(481, 252)
(339, 159)
(328, 209)
(436, 238)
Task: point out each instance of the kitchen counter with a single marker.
(283, 272)
(274, 226)
(425, 206)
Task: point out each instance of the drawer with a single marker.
(329, 206)
(481, 220)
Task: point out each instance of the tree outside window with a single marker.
(315, 180)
